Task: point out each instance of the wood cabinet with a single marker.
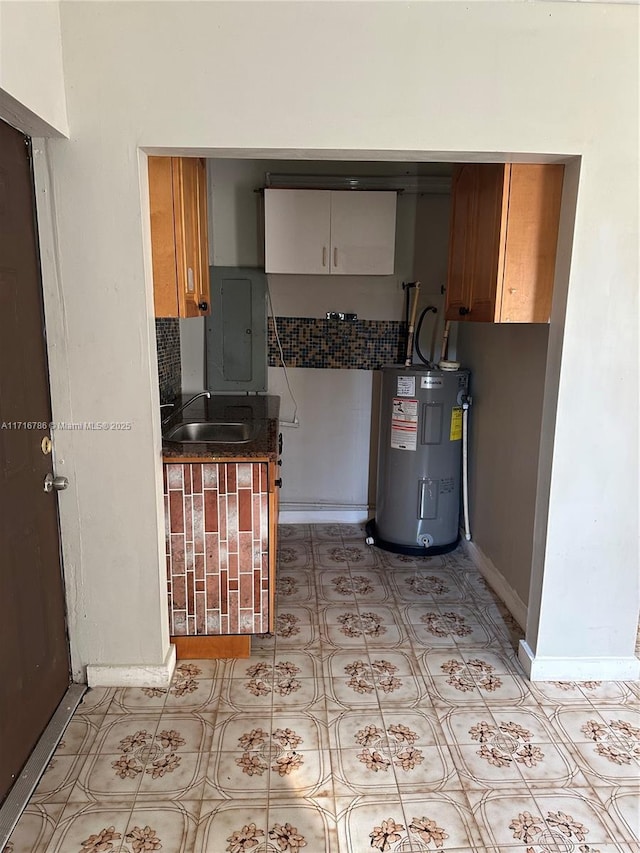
(330, 232)
(221, 543)
(179, 236)
(503, 240)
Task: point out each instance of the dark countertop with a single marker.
(262, 410)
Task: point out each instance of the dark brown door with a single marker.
(34, 660)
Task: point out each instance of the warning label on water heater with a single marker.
(404, 424)
(455, 433)
(406, 386)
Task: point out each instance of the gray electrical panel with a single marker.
(236, 330)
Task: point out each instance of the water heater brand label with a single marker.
(431, 382)
(455, 433)
(404, 423)
(406, 386)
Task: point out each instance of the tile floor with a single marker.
(388, 713)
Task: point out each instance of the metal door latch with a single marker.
(57, 484)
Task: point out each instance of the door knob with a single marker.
(57, 484)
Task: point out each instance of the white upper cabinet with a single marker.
(297, 226)
(337, 232)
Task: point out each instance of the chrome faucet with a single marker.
(191, 400)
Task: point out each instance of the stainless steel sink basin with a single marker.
(208, 432)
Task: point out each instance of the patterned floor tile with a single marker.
(93, 827)
(59, 779)
(344, 586)
(331, 532)
(256, 753)
(412, 586)
(335, 555)
(430, 816)
(371, 822)
(296, 627)
(293, 680)
(138, 700)
(294, 532)
(35, 828)
(383, 679)
(404, 561)
(308, 822)
(162, 825)
(605, 744)
(96, 700)
(121, 754)
(447, 626)
(79, 735)
(293, 554)
(418, 822)
(294, 586)
(232, 826)
(193, 695)
(350, 679)
(606, 692)
(623, 807)
(576, 815)
(372, 625)
(506, 819)
(388, 712)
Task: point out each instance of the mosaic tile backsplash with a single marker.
(361, 345)
(168, 346)
(216, 521)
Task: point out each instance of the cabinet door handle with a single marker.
(203, 306)
(278, 483)
(335, 257)
(324, 256)
(462, 311)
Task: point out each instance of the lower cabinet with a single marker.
(221, 524)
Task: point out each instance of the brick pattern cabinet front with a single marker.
(217, 547)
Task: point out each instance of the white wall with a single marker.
(32, 96)
(399, 81)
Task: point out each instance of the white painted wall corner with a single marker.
(133, 675)
(540, 668)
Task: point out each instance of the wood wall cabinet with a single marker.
(330, 232)
(179, 236)
(503, 240)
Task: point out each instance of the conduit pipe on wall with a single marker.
(412, 322)
(445, 341)
(465, 467)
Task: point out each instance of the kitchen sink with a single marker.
(225, 432)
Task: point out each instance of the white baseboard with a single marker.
(294, 513)
(498, 583)
(133, 675)
(540, 668)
